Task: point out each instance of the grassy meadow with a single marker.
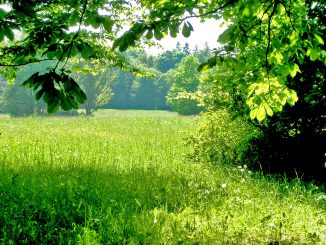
(122, 177)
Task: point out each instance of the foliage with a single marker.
(267, 40)
(168, 60)
(57, 31)
(147, 91)
(184, 78)
(87, 181)
(293, 139)
(97, 88)
(221, 139)
(18, 101)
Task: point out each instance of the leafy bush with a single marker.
(294, 140)
(184, 105)
(184, 79)
(221, 138)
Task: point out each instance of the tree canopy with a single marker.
(265, 41)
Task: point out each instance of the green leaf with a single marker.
(269, 110)
(279, 57)
(319, 39)
(261, 113)
(29, 83)
(300, 58)
(96, 22)
(190, 26)
(314, 54)
(39, 94)
(65, 105)
(108, 24)
(186, 31)
(253, 113)
(226, 35)
(174, 29)
(9, 34)
(203, 67)
(149, 34)
(3, 13)
(2, 35)
(86, 50)
(53, 106)
(293, 69)
(74, 18)
(157, 34)
(72, 102)
(118, 42)
(293, 97)
(124, 46)
(246, 11)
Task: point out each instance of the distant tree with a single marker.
(97, 88)
(168, 60)
(2, 89)
(18, 101)
(178, 46)
(196, 49)
(147, 94)
(122, 89)
(186, 49)
(184, 79)
(204, 54)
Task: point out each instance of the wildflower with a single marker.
(223, 186)
(271, 225)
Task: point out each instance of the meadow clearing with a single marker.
(123, 177)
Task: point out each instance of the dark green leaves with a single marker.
(208, 65)
(8, 33)
(85, 49)
(187, 29)
(2, 14)
(57, 90)
(129, 38)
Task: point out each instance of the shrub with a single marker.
(221, 138)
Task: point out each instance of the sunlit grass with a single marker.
(121, 177)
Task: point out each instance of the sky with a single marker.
(203, 32)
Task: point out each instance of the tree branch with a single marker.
(69, 47)
(209, 12)
(288, 13)
(26, 63)
(276, 2)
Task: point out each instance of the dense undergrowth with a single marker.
(117, 179)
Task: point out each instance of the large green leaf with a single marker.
(9, 34)
(186, 29)
(3, 13)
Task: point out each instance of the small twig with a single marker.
(288, 13)
(26, 63)
(69, 47)
(209, 12)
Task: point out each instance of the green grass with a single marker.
(122, 177)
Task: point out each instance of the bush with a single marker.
(221, 139)
(184, 106)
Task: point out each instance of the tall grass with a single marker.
(119, 179)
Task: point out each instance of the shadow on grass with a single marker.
(52, 206)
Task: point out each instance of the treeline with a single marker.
(162, 78)
(166, 75)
